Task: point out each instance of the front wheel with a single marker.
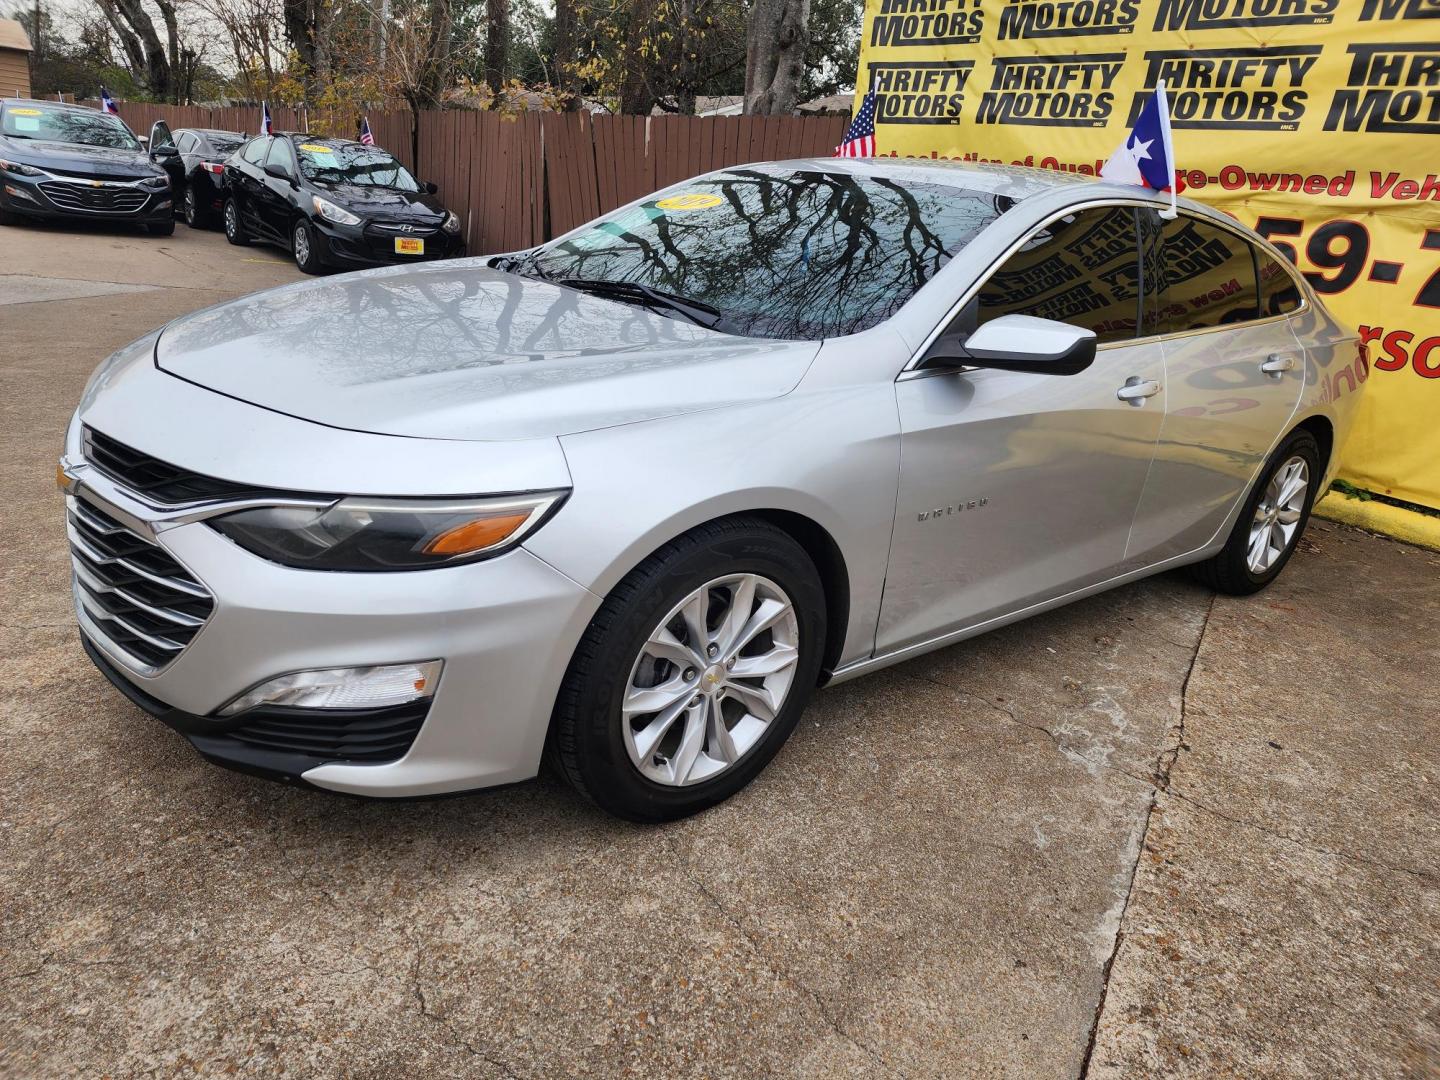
(693, 673)
(234, 227)
(305, 247)
(1270, 523)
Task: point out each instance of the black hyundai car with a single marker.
(67, 161)
(334, 202)
(196, 168)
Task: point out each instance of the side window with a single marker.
(254, 151)
(1197, 275)
(185, 142)
(1278, 292)
(1082, 269)
(282, 155)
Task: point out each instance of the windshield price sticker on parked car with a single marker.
(24, 112)
(695, 200)
(316, 148)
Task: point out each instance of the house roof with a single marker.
(12, 36)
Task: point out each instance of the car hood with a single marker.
(379, 201)
(80, 160)
(461, 351)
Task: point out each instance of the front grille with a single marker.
(369, 736)
(93, 200)
(156, 479)
(137, 598)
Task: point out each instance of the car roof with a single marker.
(1016, 181)
(211, 131)
(30, 103)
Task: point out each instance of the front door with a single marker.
(1016, 488)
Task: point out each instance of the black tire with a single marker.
(196, 216)
(586, 738)
(161, 228)
(310, 263)
(1229, 571)
(234, 224)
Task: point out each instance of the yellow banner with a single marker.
(1317, 122)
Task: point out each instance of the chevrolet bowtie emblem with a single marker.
(97, 183)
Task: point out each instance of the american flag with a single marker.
(365, 135)
(859, 138)
(107, 103)
(266, 128)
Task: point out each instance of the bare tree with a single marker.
(567, 81)
(150, 59)
(497, 43)
(777, 33)
(254, 32)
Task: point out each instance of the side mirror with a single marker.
(1018, 343)
(278, 173)
(431, 188)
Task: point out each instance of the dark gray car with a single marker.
(67, 161)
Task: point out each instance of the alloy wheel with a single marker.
(232, 225)
(710, 680)
(192, 212)
(301, 244)
(1277, 517)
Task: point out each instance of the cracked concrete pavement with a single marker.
(1155, 833)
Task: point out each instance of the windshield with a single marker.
(802, 255)
(353, 163)
(68, 126)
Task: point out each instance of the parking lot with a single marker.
(1154, 833)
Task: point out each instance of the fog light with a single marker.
(343, 688)
(19, 193)
(166, 205)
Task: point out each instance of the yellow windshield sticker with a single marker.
(695, 200)
(316, 148)
(25, 112)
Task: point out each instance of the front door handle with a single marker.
(1277, 365)
(1136, 390)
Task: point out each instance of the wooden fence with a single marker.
(516, 181)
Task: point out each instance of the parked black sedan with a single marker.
(334, 202)
(67, 161)
(196, 168)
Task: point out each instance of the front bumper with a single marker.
(505, 629)
(77, 199)
(369, 245)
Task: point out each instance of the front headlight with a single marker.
(20, 169)
(155, 183)
(365, 534)
(330, 212)
(451, 224)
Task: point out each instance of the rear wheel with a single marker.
(305, 247)
(196, 216)
(1270, 523)
(693, 673)
(234, 227)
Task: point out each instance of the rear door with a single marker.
(249, 177)
(1221, 307)
(1016, 488)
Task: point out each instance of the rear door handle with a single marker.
(1136, 390)
(1277, 365)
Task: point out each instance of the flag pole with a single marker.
(1164, 109)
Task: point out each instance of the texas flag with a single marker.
(107, 103)
(1147, 157)
(266, 128)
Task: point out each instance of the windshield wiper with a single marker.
(697, 311)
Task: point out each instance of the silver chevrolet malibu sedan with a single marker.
(626, 499)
